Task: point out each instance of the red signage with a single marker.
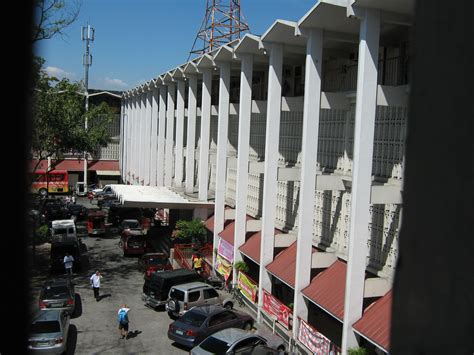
(274, 307)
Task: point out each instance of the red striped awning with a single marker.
(284, 265)
(327, 289)
(375, 322)
(228, 233)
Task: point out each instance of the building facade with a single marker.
(298, 136)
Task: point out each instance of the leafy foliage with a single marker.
(194, 230)
(53, 16)
(241, 266)
(357, 351)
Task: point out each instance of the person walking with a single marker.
(95, 283)
(68, 263)
(197, 263)
(123, 321)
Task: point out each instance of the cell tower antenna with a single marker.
(222, 24)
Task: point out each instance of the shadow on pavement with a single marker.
(78, 309)
(71, 339)
(133, 334)
(179, 346)
(101, 297)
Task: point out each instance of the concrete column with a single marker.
(154, 136)
(203, 171)
(362, 173)
(245, 114)
(169, 134)
(270, 182)
(222, 141)
(135, 138)
(178, 167)
(141, 159)
(309, 154)
(147, 140)
(121, 145)
(191, 131)
(160, 168)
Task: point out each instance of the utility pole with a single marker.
(87, 35)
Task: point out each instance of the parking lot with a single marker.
(94, 326)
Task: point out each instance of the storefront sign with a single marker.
(314, 340)
(248, 287)
(226, 250)
(273, 306)
(223, 267)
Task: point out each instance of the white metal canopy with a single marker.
(154, 197)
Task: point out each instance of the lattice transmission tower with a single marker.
(222, 24)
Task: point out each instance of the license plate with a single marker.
(179, 332)
(56, 305)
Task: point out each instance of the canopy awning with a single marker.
(154, 197)
(108, 173)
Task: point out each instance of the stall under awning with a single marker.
(155, 197)
(375, 322)
(283, 266)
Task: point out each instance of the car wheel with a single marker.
(173, 305)
(43, 192)
(229, 305)
(281, 348)
(248, 326)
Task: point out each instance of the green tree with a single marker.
(193, 230)
(58, 118)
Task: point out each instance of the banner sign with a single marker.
(315, 341)
(226, 250)
(274, 307)
(248, 287)
(223, 267)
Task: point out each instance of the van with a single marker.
(158, 284)
(63, 230)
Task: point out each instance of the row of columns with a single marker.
(148, 155)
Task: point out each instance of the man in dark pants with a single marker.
(95, 283)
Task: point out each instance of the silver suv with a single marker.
(182, 298)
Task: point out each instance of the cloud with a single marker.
(114, 84)
(59, 73)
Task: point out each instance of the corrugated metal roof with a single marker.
(284, 265)
(78, 165)
(209, 223)
(228, 233)
(327, 289)
(375, 322)
(251, 248)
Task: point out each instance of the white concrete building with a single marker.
(301, 133)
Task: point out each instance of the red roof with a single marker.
(284, 265)
(375, 322)
(251, 247)
(209, 223)
(78, 165)
(228, 233)
(327, 289)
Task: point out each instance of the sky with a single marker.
(137, 40)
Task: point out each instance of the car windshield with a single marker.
(132, 224)
(135, 239)
(193, 318)
(214, 345)
(56, 292)
(45, 327)
(157, 261)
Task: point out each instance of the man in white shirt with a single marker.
(95, 283)
(68, 262)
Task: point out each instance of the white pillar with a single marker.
(121, 145)
(147, 140)
(135, 139)
(154, 137)
(362, 173)
(160, 167)
(245, 114)
(309, 154)
(270, 183)
(222, 141)
(142, 159)
(191, 131)
(169, 135)
(178, 167)
(203, 171)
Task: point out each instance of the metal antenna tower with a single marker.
(87, 35)
(222, 23)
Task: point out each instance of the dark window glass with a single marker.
(192, 318)
(211, 293)
(45, 327)
(56, 292)
(215, 346)
(193, 296)
(177, 294)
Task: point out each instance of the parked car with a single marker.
(133, 242)
(238, 341)
(129, 224)
(96, 222)
(200, 322)
(81, 230)
(158, 284)
(49, 331)
(54, 209)
(58, 294)
(77, 212)
(185, 296)
(106, 190)
(151, 262)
